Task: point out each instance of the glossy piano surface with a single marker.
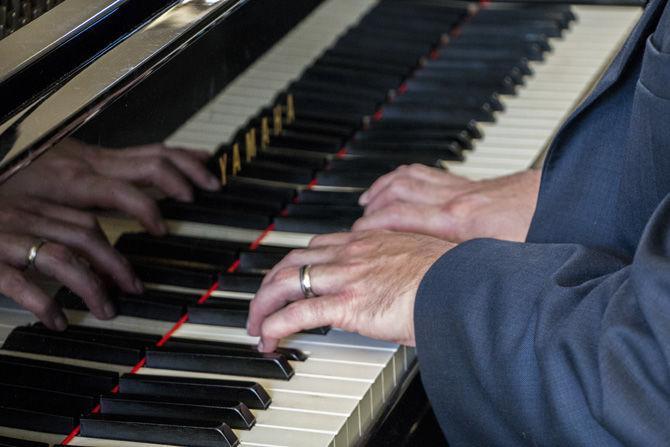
(302, 105)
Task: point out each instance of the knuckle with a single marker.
(13, 283)
(60, 253)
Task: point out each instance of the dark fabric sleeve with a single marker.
(540, 344)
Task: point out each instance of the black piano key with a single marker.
(445, 74)
(312, 225)
(390, 135)
(329, 197)
(320, 128)
(259, 263)
(229, 201)
(311, 210)
(259, 192)
(289, 353)
(431, 114)
(296, 140)
(340, 179)
(303, 157)
(220, 361)
(45, 401)
(13, 442)
(351, 77)
(305, 105)
(55, 376)
(530, 50)
(55, 344)
(337, 91)
(472, 64)
(147, 246)
(222, 312)
(37, 421)
(474, 38)
(505, 85)
(150, 272)
(235, 414)
(154, 305)
(159, 431)
(273, 171)
(334, 60)
(472, 128)
(195, 213)
(449, 150)
(233, 282)
(251, 394)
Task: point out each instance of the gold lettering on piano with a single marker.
(290, 109)
(223, 165)
(265, 133)
(250, 142)
(237, 161)
(277, 120)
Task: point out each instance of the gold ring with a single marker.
(32, 253)
(306, 282)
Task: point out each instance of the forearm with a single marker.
(530, 344)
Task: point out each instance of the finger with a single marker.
(149, 170)
(378, 185)
(323, 240)
(404, 189)
(435, 176)
(16, 286)
(431, 220)
(63, 213)
(119, 195)
(300, 316)
(60, 263)
(300, 257)
(91, 244)
(327, 279)
(189, 162)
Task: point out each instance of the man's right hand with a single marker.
(434, 202)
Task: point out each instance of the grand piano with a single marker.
(302, 104)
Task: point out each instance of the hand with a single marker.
(75, 250)
(82, 176)
(366, 282)
(431, 201)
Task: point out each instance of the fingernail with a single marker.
(109, 310)
(60, 323)
(213, 183)
(261, 346)
(139, 287)
(162, 228)
(363, 199)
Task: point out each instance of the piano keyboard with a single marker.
(185, 330)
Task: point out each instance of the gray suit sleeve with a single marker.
(540, 344)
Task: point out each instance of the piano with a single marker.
(302, 104)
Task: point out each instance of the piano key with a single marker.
(152, 272)
(45, 401)
(196, 213)
(328, 197)
(11, 442)
(251, 394)
(36, 420)
(256, 262)
(313, 225)
(55, 376)
(161, 431)
(220, 361)
(23, 339)
(184, 408)
(289, 353)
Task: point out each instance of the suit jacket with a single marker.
(565, 339)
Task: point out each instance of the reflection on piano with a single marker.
(356, 89)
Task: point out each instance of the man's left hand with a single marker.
(365, 282)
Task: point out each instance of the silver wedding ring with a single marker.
(306, 282)
(32, 253)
